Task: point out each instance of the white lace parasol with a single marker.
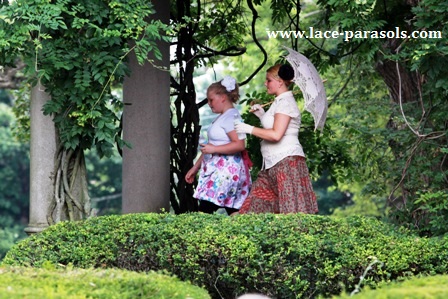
(311, 85)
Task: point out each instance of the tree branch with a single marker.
(254, 37)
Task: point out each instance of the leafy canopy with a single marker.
(77, 49)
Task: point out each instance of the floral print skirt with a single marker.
(284, 188)
(224, 180)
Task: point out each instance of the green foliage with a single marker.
(425, 287)
(360, 114)
(353, 16)
(105, 182)
(77, 49)
(19, 282)
(243, 67)
(225, 18)
(4, 97)
(286, 256)
(14, 173)
(329, 197)
(21, 108)
(214, 26)
(8, 237)
(14, 170)
(430, 211)
(425, 173)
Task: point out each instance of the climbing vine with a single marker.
(78, 50)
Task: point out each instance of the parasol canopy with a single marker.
(311, 85)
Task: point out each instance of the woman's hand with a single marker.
(207, 148)
(258, 110)
(191, 174)
(242, 128)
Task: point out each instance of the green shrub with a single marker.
(283, 256)
(433, 287)
(20, 282)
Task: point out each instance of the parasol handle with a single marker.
(252, 103)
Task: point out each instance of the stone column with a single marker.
(42, 152)
(146, 125)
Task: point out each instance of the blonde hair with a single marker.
(218, 88)
(274, 70)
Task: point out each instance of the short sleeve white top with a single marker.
(289, 144)
(223, 124)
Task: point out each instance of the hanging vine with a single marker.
(78, 50)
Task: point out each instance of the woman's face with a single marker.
(216, 102)
(273, 85)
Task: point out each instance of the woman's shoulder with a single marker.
(286, 95)
(286, 98)
(286, 104)
(232, 111)
(229, 115)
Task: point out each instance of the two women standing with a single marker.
(283, 185)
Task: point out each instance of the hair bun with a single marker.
(286, 72)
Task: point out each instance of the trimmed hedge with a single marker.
(434, 287)
(283, 256)
(19, 283)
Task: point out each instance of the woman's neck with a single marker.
(227, 107)
(280, 91)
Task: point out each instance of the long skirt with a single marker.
(284, 188)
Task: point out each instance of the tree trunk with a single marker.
(396, 76)
(185, 133)
(71, 200)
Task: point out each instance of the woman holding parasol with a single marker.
(283, 184)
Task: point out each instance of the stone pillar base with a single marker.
(35, 228)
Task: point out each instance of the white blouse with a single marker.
(289, 144)
(223, 124)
